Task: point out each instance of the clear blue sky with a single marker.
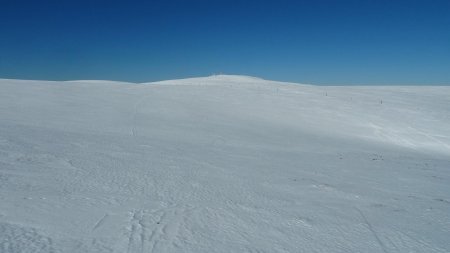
(319, 42)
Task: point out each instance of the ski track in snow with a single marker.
(100, 222)
(154, 231)
(372, 230)
(223, 164)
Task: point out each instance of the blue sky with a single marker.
(318, 42)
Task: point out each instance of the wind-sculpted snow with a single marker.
(223, 164)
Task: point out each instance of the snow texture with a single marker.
(223, 164)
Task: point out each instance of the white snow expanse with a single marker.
(223, 164)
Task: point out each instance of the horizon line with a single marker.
(228, 75)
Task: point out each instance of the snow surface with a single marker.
(223, 164)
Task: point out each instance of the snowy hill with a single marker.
(223, 164)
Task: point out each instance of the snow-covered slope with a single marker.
(223, 164)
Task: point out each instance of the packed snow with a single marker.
(223, 164)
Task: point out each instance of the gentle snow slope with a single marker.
(223, 164)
